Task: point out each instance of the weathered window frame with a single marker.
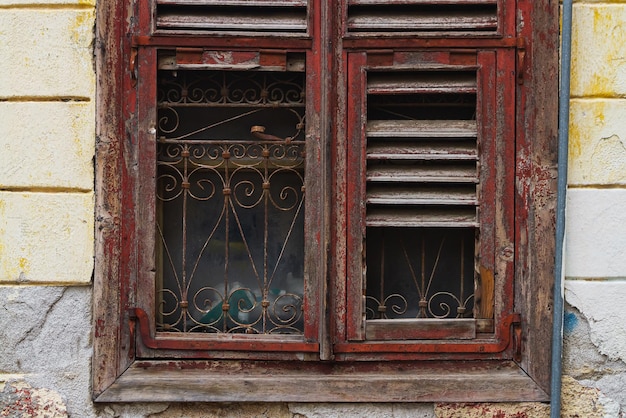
(119, 374)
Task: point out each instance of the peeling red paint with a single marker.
(98, 328)
(119, 273)
(19, 399)
(489, 410)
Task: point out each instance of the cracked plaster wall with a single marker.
(46, 227)
(595, 248)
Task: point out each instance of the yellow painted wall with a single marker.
(47, 109)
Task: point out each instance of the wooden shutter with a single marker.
(232, 16)
(424, 143)
(414, 165)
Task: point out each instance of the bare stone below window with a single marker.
(21, 399)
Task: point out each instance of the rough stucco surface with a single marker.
(362, 410)
(596, 234)
(606, 321)
(598, 38)
(20, 399)
(595, 348)
(49, 341)
(583, 361)
(50, 49)
(585, 338)
(581, 401)
(55, 152)
(46, 237)
(493, 410)
(597, 142)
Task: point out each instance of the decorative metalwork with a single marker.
(420, 273)
(230, 192)
(231, 88)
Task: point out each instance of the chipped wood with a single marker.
(422, 20)
(421, 129)
(420, 217)
(426, 328)
(211, 21)
(429, 150)
(519, 246)
(349, 382)
(421, 82)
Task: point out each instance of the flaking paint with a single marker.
(601, 79)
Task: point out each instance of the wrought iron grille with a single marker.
(420, 273)
(230, 198)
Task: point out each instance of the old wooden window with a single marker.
(325, 192)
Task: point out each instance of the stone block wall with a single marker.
(595, 252)
(47, 125)
(47, 118)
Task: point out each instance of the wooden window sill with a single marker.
(226, 381)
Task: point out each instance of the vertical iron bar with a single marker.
(227, 191)
(265, 188)
(185, 186)
(462, 291)
(422, 302)
(382, 277)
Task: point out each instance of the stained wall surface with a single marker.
(595, 253)
(47, 139)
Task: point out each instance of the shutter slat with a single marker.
(422, 129)
(422, 196)
(422, 82)
(402, 16)
(426, 22)
(235, 16)
(423, 151)
(423, 174)
(422, 217)
(421, 2)
(243, 3)
(232, 22)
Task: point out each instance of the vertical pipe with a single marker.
(564, 97)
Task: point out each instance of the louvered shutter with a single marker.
(422, 172)
(435, 16)
(232, 16)
(424, 142)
